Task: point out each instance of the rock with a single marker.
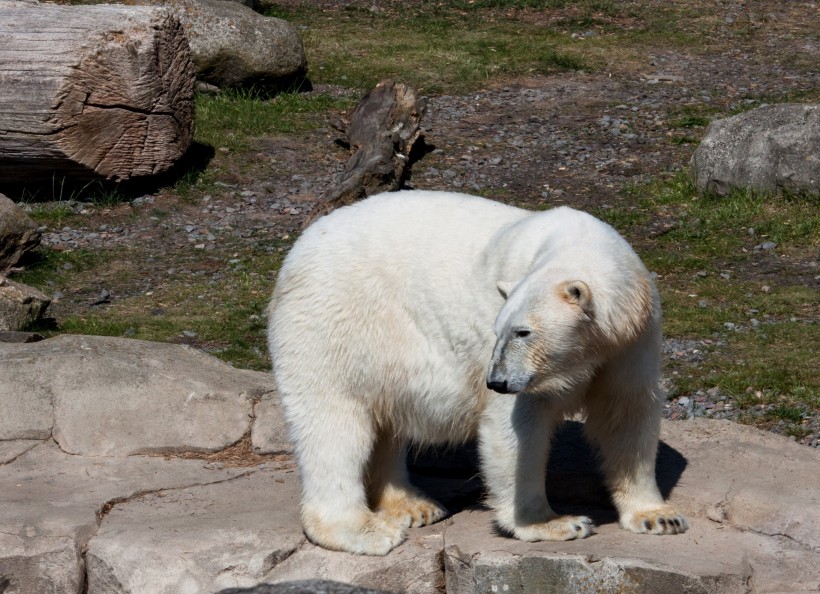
(20, 305)
(118, 397)
(414, 568)
(770, 149)
(10, 450)
(52, 503)
(18, 233)
(269, 434)
(734, 544)
(234, 46)
(170, 525)
(232, 534)
(304, 587)
(17, 336)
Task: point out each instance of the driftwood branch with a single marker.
(382, 131)
(99, 91)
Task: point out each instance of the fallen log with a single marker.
(103, 91)
(382, 131)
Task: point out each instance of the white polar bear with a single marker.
(436, 317)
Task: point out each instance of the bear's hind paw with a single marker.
(559, 528)
(410, 510)
(661, 520)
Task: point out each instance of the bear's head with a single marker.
(553, 334)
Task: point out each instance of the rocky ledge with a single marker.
(134, 467)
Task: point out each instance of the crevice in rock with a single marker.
(803, 545)
(106, 507)
(9, 461)
(278, 557)
(239, 454)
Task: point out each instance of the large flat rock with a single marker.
(235, 534)
(413, 568)
(199, 539)
(52, 503)
(754, 480)
(155, 525)
(103, 396)
(709, 558)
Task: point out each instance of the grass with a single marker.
(223, 316)
(463, 46)
(231, 118)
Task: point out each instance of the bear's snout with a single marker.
(499, 386)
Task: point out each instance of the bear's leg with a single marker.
(389, 489)
(623, 420)
(333, 449)
(515, 437)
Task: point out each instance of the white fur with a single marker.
(389, 318)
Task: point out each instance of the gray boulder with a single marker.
(18, 233)
(234, 46)
(104, 396)
(770, 149)
(20, 305)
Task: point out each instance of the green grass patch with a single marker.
(49, 265)
(436, 49)
(707, 266)
(230, 118)
(224, 317)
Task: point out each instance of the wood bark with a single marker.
(103, 91)
(382, 131)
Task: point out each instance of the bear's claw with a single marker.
(559, 528)
(662, 520)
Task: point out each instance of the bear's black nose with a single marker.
(498, 386)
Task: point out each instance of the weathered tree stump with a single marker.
(99, 91)
(382, 131)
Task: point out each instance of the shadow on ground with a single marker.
(574, 482)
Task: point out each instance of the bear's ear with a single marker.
(505, 288)
(577, 293)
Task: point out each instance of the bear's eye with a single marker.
(521, 333)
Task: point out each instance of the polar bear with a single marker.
(436, 317)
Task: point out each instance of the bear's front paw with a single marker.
(560, 528)
(659, 520)
(369, 535)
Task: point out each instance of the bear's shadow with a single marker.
(575, 485)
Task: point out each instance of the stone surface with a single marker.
(142, 525)
(270, 434)
(17, 336)
(234, 46)
(117, 397)
(20, 305)
(18, 233)
(52, 502)
(10, 450)
(304, 587)
(199, 539)
(769, 149)
(413, 568)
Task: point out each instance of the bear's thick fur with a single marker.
(436, 317)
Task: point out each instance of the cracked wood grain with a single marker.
(92, 91)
